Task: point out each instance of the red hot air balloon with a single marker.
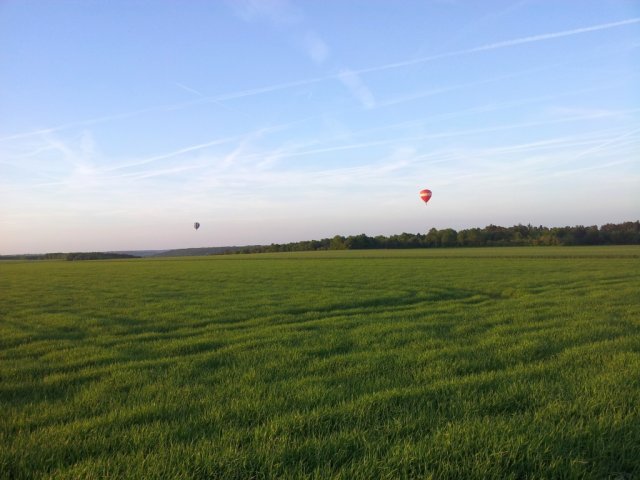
(425, 195)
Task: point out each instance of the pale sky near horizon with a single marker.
(122, 123)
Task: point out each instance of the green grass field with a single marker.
(462, 363)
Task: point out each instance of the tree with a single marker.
(448, 237)
(337, 243)
(433, 238)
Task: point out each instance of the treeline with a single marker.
(69, 256)
(627, 233)
(192, 252)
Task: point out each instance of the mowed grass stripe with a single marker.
(462, 363)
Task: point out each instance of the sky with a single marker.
(268, 121)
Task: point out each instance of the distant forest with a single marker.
(627, 233)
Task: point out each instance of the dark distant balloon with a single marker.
(425, 195)
(196, 225)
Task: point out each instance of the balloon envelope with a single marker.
(425, 195)
(196, 225)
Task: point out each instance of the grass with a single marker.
(462, 363)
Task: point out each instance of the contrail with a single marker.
(504, 44)
(81, 123)
(604, 144)
(450, 134)
(199, 146)
(335, 76)
(189, 89)
(549, 36)
(169, 107)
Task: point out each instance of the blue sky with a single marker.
(122, 123)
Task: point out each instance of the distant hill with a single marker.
(139, 253)
(178, 252)
(193, 252)
(71, 256)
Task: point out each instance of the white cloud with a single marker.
(358, 88)
(316, 47)
(279, 12)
